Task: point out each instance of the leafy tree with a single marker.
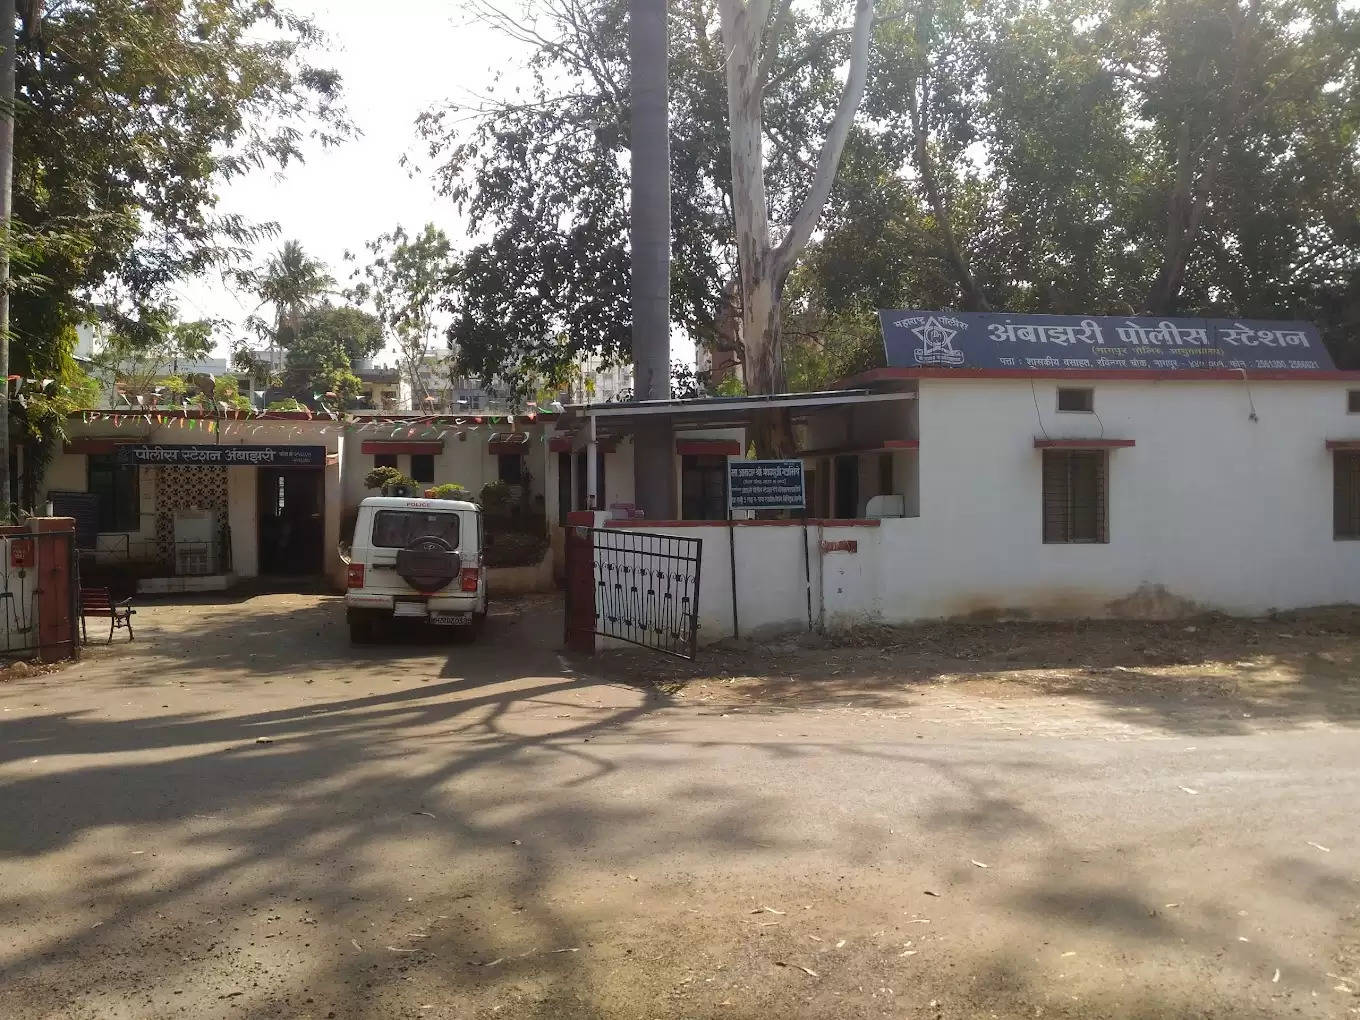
(321, 353)
(130, 117)
(543, 175)
(406, 281)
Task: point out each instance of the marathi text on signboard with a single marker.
(917, 339)
(190, 455)
(765, 485)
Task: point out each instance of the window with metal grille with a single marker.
(1072, 399)
(703, 487)
(1346, 494)
(1353, 401)
(1074, 496)
(116, 487)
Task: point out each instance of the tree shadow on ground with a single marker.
(1216, 675)
(472, 840)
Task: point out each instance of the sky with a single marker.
(397, 58)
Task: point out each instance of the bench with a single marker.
(97, 602)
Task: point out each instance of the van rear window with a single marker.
(396, 529)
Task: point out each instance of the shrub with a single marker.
(381, 476)
(495, 499)
(516, 549)
(449, 490)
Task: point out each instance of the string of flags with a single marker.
(425, 426)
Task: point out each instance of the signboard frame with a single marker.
(223, 455)
(1024, 343)
(735, 467)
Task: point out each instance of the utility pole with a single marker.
(653, 450)
(9, 39)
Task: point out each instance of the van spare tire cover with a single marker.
(428, 564)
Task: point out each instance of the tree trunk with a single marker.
(650, 236)
(763, 269)
(9, 40)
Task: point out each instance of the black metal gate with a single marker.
(645, 587)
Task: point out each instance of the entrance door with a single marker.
(292, 521)
(847, 487)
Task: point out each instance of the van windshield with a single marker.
(396, 529)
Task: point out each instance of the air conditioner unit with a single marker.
(195, 542)
(886, 506)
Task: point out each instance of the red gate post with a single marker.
(579, 623)
(57, 625)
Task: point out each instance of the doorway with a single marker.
(292, 521)
(847, 487)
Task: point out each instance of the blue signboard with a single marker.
(765, 485)
(201, 455)
(1048, 343)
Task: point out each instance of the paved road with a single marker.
(241, 816)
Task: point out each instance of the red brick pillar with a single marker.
(58, 629)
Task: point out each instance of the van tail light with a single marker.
(468, 578)
(355, 576)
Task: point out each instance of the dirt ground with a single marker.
(239, 815)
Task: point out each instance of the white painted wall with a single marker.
(242, 508)
(465, 461)
(771, 591)
(1209, 510)
(1208, 506)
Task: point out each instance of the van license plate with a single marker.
(410, 607)
(450, 619)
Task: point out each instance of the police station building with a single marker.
(1087, 466)
(1044, 466)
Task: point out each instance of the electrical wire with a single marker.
(1253, 416)
(1034, 393)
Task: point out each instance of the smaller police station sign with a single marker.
(1045, 343)
(765, 485)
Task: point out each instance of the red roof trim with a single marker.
(1343, 444)
(503, 449)
(708, 447)
(881, 375)
(795, 523)
(1081, 444)
(385, 446)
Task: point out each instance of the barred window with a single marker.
(1346, 494)
(1074, 496)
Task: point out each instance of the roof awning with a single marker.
(1046, 443)
(886, 446)
(1343, 444)
(708, 447)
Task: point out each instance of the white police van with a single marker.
(417, 559)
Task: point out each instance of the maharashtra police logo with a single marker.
(936, 335)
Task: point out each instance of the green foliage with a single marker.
(516, 549)
(730, 386)
(543, 177)
(495, 499)
(406, 280)
(451, 490)
(129, 119)
(287, 404)
(322, 349)
(382, 476)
